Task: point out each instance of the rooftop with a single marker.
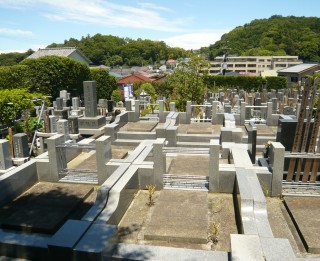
(298, 68)
(60, 51)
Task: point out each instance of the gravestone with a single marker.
(128, 105)
(73, 125)
(75, 107)
(241, 94)
(250, 100)
(274, 105)
(286, 132)
(20, 145)
(53, 123)
(227, 108)
(258, 102)
(237, 100)
(75, 103)
(110, 106)
(64, 96)
(63, 128)
(91, 120)
(252, 141)
(59, 111)
(5, 158)
(102, 103)
(221, 97)
(288, 110)
(248, 113)
(90, 98)
(59, 103)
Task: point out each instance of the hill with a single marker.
(277, 35)
(112, 50)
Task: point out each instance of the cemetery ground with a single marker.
(179, 218)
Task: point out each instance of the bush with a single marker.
(106, 83)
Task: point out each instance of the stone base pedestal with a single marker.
(92, 122)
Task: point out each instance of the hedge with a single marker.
(246, 83)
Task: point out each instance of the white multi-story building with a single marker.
(253, 64)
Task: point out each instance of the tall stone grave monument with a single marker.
(91, 119)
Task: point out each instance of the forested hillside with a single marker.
(274, 36)
(112, 50)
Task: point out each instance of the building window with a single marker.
(281, 65)
(240, 65)
(252, 65)
(294, 79)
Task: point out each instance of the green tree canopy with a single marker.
(277, 35)
(51, 74)
(116, 95)
(14, 102)
(106, 83)
(112, 50)
(15, 76)
(187, 82)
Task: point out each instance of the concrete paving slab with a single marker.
(199, 128)
(169, 223)
(141, 126)
(197, 165)
(44, 207)
(305, 214)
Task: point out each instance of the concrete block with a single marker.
(246, 248)
(214, 166)
(96, 243)
(149, 252)
(278, 249)
(61, 244)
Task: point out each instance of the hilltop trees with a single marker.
(274, 36)
(112, 50)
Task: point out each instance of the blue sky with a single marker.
(188, 24)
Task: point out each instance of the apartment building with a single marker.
(253, 64)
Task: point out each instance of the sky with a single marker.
(34, 24)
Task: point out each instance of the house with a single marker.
(71, 52)
(132, 78)
(295, 74)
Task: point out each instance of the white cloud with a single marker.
(156, 7)
(12, 51)
(195, 40)
(14, 32)
(100, 12)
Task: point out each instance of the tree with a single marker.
(106, 83)
(116, 95)
(16, 76)
(187, 82)
(51, 74)
(14, 102)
